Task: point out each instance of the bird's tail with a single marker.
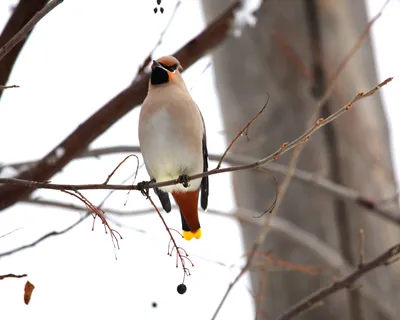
(187, 203)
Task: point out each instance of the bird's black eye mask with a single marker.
(160, 75)
(170, 68)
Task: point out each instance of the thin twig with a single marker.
(357, 45)
(299, 145)
(293, 163)
(120, 164)
(306, 239)
(8, 87)
(8, 233)
(259, 297)
(273, 156)
(181, 253)
(149, 57)
(244, 130)
(362, 247)
(318, 247)
(106, 116)
(21, 14)
(86, 207)
(97, 212)
(332, 82)
(345, 282)
(28, 27)
(11, 275)
(48, 235)
(321, 183)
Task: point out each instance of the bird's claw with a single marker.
(184, 180)
(143, 187)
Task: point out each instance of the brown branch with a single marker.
(342, 65)
(120, 164)
(346, 282)
(98, 212)
(241, 132)
(308, 240)
(181, 254)
(362, 247)
(11, 275)
(23, 33)
(88, 207)
(105, 117)
(273, 156)
(285, 147)
(297, 151)
(317, 246)
(8, 87)
(25, 16)
(323, 100)
(321, 183)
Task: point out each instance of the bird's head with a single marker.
(166, 70)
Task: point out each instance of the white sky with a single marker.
(81, 55)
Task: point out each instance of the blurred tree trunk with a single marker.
(291, 55)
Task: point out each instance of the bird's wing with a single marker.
(204, 180)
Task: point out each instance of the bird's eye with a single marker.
(169, 68)
(173, 67)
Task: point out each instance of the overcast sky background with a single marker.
(78, 57)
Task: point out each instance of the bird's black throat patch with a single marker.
(159, 76)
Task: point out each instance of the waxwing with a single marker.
(172, 138)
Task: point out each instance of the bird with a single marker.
(173, 143)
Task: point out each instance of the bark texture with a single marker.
(291, 54)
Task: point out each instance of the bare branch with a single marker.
(22, 13)
(106, 116)
(284, 148)
(23, 33)
(241, 132)
(48, 235)
(120, 164)
(181, 253)
(344, 283)
(321, 183)
(317, 246)
(299, 146)
(96, 211)
(8, 87)
(275, 155)
(8, 233)
(306, 239)
(11, 275)
(362, 247)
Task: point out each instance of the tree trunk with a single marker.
(291, 54)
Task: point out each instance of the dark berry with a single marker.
(181, 288)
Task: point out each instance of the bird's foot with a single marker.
(184, 180)
(143, 187)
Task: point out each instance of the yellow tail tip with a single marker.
(189, 235)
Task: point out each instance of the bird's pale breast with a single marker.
(170, 134)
